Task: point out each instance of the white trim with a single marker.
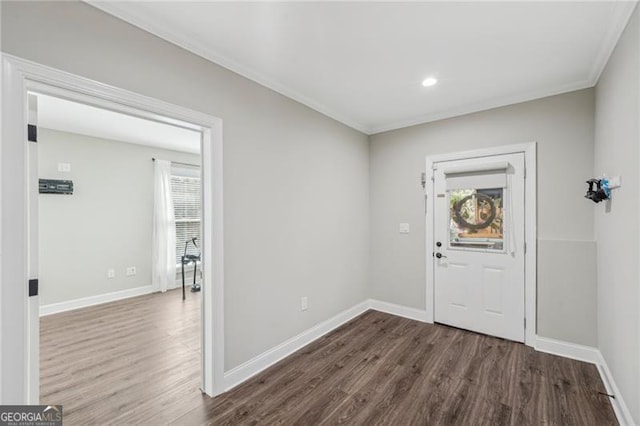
(531, 241)
(20, 75)
(484, 105)
(567, 349)
(593, 356)
(529, 150)
(398, 310)
(256, 365)
(589, 354)
(244, 371)
(619, 406)
(17, 369)
(200, 49)
(618, 21)
(99, 299)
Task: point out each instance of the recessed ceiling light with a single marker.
(429, 81)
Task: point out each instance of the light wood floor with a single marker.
(376, 369)
(134, 361)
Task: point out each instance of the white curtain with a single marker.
(164, 229)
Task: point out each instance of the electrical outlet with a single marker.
(303, 303)
(404, 228)
(111, 273)
(131, 270)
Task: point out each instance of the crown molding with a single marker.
(617, 25)
(621, 16)
(115, 9)
(484, 106)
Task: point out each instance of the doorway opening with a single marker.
(119, 199)
(20, 368)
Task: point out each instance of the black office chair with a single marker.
(186, 259)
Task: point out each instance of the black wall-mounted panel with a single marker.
(55, 186)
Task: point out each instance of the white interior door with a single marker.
(478, 251)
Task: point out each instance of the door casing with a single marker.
(18, 375)
(529, 150)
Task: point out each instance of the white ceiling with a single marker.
(60, 114)
(362, 62)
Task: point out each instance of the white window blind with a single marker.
(185, 191)
(492, 175)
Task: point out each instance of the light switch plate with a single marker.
(404, 228)
(64, 167)
(615, 182)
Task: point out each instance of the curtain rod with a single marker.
(178, 162)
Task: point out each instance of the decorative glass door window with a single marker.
(476, 219)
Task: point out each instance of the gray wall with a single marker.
(304, 194)
(617, 225)
(106, 223)
(296, 183)
(563, 127)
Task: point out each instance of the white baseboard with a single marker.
(567, 350)
(398, 310)
(593, 356)
(575, 351)
(622, 411)
(543, 344)
(55, 308)
(244, 371)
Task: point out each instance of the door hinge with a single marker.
(32, 133)
(423, 180)
(525, 323)
(33, 287)
(525, 247)
(524, 171)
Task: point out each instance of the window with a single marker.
(185, 191)
(476, 219)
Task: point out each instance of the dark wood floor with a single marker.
(376, 369)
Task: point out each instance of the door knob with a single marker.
(439, 255)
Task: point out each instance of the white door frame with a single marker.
(530, 227)
(18, 377)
